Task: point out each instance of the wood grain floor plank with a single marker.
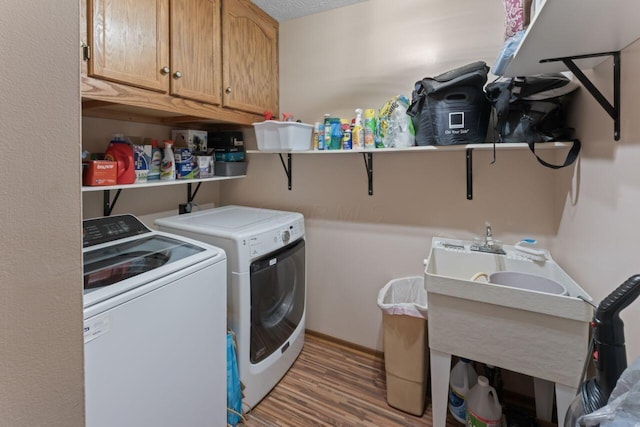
(333, 385)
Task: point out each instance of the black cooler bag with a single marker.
(451, 108)
(532, 108)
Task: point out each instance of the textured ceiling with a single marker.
(283, 10)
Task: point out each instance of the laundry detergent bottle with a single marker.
(156, 161)
(121, 152)
(168, 167)
(462, 378)
(483, 407)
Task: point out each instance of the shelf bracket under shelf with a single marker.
(190, 195)
(368, 164)
(184, 208)
(612, 110)
(287, 167)
(109, 204)
(469, 173)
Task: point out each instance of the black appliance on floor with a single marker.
(607, 350)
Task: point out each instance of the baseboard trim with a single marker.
(345, 344)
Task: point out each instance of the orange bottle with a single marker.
(121, 152)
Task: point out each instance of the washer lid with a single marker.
(111, 264)
(229, 221)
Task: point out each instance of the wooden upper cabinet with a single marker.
(196, 58)
(221, 53)
(130, 42)
(249, 57)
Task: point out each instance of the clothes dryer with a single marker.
(266, 270)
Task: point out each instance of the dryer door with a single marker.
(277, 299)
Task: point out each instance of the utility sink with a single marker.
(531, 331)
(452, 265)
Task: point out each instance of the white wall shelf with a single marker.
(571, 28)
(574, 35)
(367, 155)
(424, 148)
(109, 204)
(86, 188)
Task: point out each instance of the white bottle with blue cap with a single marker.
(463, 377)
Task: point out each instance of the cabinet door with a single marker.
(84, 40)
(130, 42)
(196, 60)
(249, 57)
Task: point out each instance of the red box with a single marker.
(99, 172)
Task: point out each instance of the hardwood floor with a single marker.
(333, 385)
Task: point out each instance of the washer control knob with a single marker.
(286, 236)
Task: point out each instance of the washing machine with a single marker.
(266, 271)
(154, 327)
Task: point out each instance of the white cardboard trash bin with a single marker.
(405, 340)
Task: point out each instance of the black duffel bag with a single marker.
(532, 109)
(452, 107)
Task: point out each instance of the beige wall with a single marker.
(597, 241)
(41, 365)
(356, 242)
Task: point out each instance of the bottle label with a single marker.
(475, 420)
(326, 142)
(346, 139)
(357, 137)
(457, 405)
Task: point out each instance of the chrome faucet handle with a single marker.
(488, 241)
(490, 246)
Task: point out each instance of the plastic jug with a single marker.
(483, 407)
(463, 377)
(121, 152)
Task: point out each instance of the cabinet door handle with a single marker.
(177, 74)
(227, 90)
(165, 70)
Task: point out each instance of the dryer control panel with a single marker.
(264, 243)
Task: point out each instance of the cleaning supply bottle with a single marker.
(326, 140)
(463, 377)
(168, 167)
(335, 130)
(347, 134)
(156, 161)
(369, 128)
(483, 407)
(120, 151)
(357, 136)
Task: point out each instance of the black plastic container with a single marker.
(226, 139)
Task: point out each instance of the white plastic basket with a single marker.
(274, 135)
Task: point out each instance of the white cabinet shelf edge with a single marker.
(426, 148)
(158, 183)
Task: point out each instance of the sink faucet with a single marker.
(488, 240)
(489, 245)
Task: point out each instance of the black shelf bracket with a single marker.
(368, 164)
(287, 168)
(109, 204)
(469, 173)
(612, 110)
(185, 208)
(191, 196)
